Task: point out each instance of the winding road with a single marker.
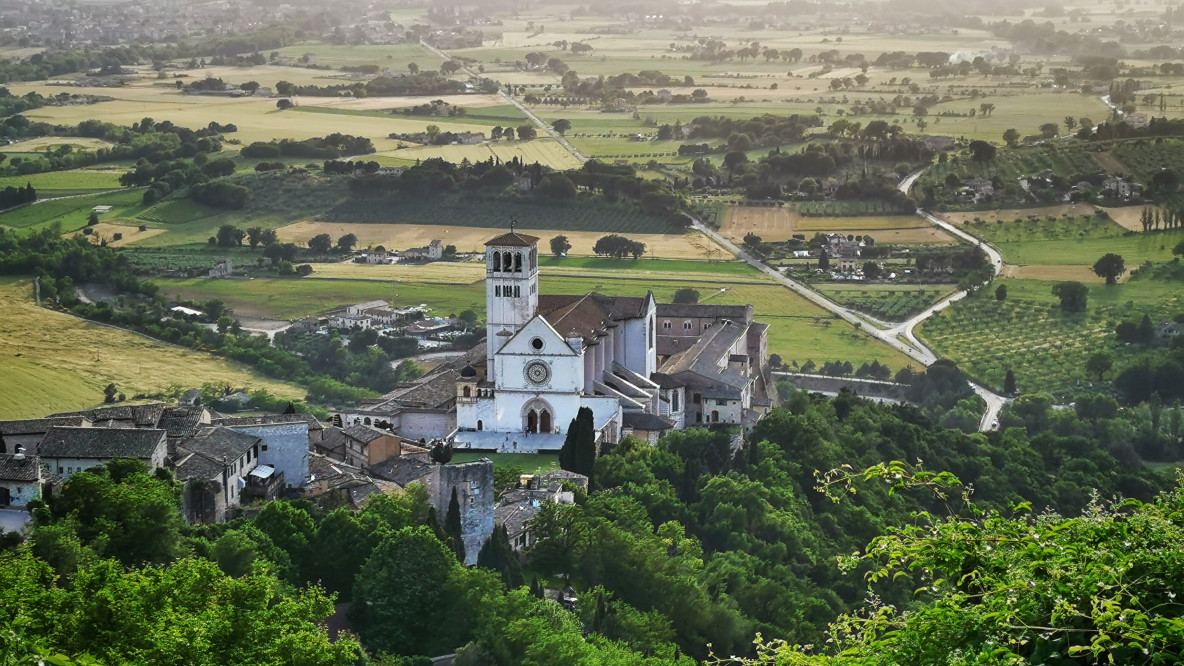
(899, 336)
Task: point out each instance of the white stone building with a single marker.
(546, 356)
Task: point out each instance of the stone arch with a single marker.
(366, 420)
(536, 414)
(480, 425)
(517, 262)
(497, 261)
(467, 392)
(508, 262)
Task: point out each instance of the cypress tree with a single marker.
(497, 554)
(452, 527)
(579, 447)
(1009, 383)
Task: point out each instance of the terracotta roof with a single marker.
(403, 469)
(739, 312)
(270, 419)
(12, 469)
(513, 239)
(100, 443)
(589, 314)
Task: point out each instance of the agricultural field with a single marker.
(1029, 333)
(63, 183)
(545, 151)
(106, 231)
(72, 212)
(1047, 228)
(885, 302)
(57, 362)
(781, 223)
(1135, 249)
(468, 239)
(40, 144)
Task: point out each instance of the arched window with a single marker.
(714, 416)
(480, 425)
(508, 262)
(686, 325)
(665, 324)
(467, 392)
(517, 262)
(366, 420)
(497, 261)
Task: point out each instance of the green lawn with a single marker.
(663, 265)
(529, 463)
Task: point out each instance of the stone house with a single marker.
(66, 450)
(214, 464)
(366, 445)
(433, 251)
(29, 432)
(285, 441)
(20, 479)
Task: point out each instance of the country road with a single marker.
(518, 105)
(899, 336)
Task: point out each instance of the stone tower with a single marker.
(511, 288)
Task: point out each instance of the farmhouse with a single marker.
(547, 356)
(433, 252)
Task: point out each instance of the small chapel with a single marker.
(643, 368)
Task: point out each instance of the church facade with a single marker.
(641, 367)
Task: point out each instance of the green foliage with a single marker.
(578, 453)
(497, 554)
(1074, 296)
(122, 512)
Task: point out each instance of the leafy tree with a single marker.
(401, 597)
(1011, 137)
(1179, 249)
(284, 104)
(347, 242)
(561, 126)
(320, 243)
(1110, 266)
(230, 236)
(109, 393)
(686, 295)
(981, 151)
(527, 132)
(1001, 293)
(752, 241)
(1049, 130)
(823, 261)
(560, 245)
(254, 237)
(1074, 296)
(1099, 363)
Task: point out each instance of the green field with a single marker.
(58, 183)
(56, 362)
(1029, 333)
(1135, 249)
(72, 212)
(1043, 229)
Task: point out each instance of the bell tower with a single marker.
(511, 288)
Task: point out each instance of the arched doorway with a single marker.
(480, 425)
(537, 416)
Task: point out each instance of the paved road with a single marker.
(550, 131)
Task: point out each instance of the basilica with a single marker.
(643, 368)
